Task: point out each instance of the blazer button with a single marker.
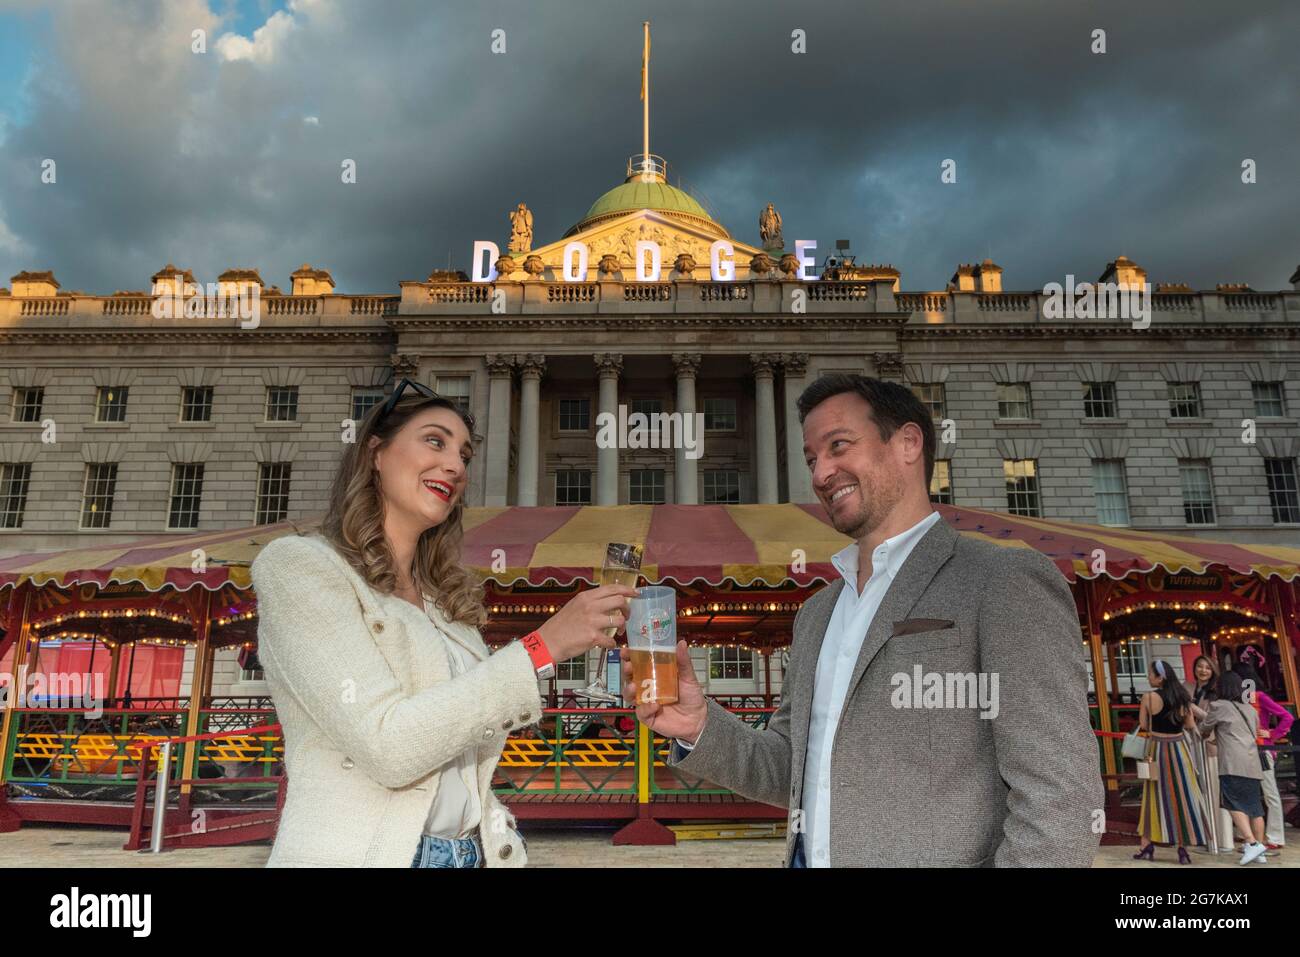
(488, 732)
(505, 850)
(348, 764)
(507, 725)
(525, 718)
(379, 626)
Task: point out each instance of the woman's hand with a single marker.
(585, 619)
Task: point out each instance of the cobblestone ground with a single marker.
(62, 846)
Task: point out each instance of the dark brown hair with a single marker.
(892, 407)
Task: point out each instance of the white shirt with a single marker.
(845, 633)
(456, 809)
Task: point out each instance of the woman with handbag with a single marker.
(394, 712)
(1240, 763)
(1171, 797)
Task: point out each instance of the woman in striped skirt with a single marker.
(1172, 807)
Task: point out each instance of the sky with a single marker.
(232, 157)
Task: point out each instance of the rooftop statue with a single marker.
(521, 229)
(769, 228)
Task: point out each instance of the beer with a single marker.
(654, 673)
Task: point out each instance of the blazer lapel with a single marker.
(466, 636)
(928, 555)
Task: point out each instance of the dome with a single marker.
(650, 190)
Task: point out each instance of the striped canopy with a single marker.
(745, 544)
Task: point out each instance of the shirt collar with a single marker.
(889, 554)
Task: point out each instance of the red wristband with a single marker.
(537, 650)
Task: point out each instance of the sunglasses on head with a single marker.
(402, 385)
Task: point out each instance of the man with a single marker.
(934, 710)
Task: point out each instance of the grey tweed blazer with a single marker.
(916, 786)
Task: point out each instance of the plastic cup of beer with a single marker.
(652, 644)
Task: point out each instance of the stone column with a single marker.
(531, 367)
(608, 367)
(765, 425)
(686, 476)
(799, 482)
(496, 475)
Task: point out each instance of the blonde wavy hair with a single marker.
(354, 524)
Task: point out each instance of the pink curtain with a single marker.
(156, 672)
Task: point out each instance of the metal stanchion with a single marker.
(160, 799)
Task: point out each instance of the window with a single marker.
(720, 414)
(728, 664)
(14, 479)
(941, 482)
(454, 387)
(1270, 401)
(646, 407)
(646, 487)
(573, 487)
(27, 404)
(1184, 400)
(1110, 491)
(1283, 495)
(575, 415)
(97, 494)
(1198, 492)
(933, 397)
(196, 403)
(110, 404)
(273, 492)
(363, 400)
(575, 669)
(1099, 400)
(1013, 401)
(187, 491)
(1131, 659)
(1022, 486)
(281, 403)
(721, 488)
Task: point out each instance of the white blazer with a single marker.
(371, 713)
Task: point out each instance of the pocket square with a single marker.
(912, 626)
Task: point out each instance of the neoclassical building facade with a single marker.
(117, 422)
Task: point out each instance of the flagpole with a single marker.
(645, 99)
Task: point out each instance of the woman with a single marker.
(1274, 724)
(1171, 799)
(1203, 688)
(394, 712)
(1235, 724)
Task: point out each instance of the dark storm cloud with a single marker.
(1065, 159)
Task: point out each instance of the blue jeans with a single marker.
(797, 859)
(448, 852)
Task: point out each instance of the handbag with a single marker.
(1134, 746)
(1259, 752)
(1146, 770)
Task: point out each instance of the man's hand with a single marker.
(685, 718)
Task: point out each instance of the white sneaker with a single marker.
(1251, 852)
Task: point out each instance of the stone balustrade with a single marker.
(680, 296)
